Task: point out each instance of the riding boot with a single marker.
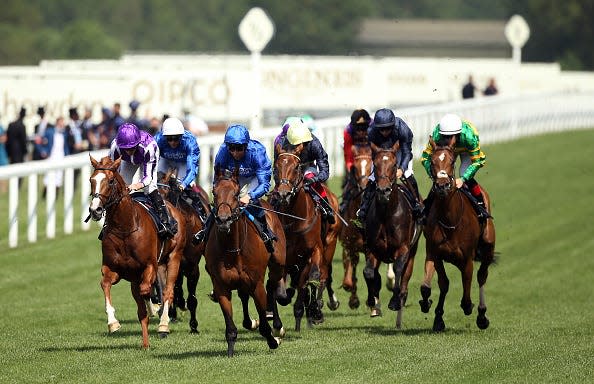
(196, 203)
(202, 234)
(265, 233)
(328, 212)
(475, 191)
(365, 203)
(427, 206)
(417, 205)
(169, 224)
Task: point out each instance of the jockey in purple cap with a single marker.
(140, 154)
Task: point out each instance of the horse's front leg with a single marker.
(142, 312)
(248, 323)
(259, 296)
(354, 298)
(426, 302)
(466, 272)
(192, 301)
(333, 302)
(171, 277)
(109, 278)
(373, 280)
(408, 268)
(224, 300)
(149, 275)
(444, 286)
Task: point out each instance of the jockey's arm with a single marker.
(192, 162)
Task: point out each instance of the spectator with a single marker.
(142, 124)
(74, 132)
(39, 131)
(3, 157)
(468, 88)
(16, 139)
(154, 126)
(89, 130)
(491, 88)
(194, 124)
(54, 145)
(104, 130)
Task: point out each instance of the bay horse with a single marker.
(455, 235)
(391, 233)
(351, 238)
(237, 259)
(311, 242)
(168, 187)
(131, 247)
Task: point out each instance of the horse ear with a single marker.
(432, 142)
(452, 142)
(116, 164)
(298, 149)
(93, 161)
(278, 148)
(395, 146)
(374, 148)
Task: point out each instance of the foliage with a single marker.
(538, 297)
(33, 30)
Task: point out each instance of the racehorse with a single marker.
(391, 233)
(131, 248)
(237, 258)
(169, 188)
(455, 235)
(311, 242)
(351, 238)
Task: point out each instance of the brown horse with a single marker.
(351, 238)
(391, 233)
(131, 247)
(311, 242)
(192, 254)
(455, 235)
(237, 258)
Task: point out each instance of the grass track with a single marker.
(539, 299)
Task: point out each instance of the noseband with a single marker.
(293, 185)
(111, 199)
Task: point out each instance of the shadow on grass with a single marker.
(91, 348)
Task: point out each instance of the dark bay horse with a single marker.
(310, 242)
(237, 259)
(455, 235)
(192, 254)
(351, 238)
(391, 233)
(131, 247)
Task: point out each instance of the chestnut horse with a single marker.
(455, 235)
(351, 238)
(310, 242)
(237, 258)
(192, 254)
(391, 233)
(131, 247)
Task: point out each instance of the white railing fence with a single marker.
(498, 119)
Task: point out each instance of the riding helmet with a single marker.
(172, 126)
(384, 118)
(237, 134)
(128, 136)
(450, 124)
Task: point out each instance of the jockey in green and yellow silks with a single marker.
(467, 147)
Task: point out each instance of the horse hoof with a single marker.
(482, 322)
(274, 343)
(467, 308)
(163, 335)
(163, 329)
(375, 312)
(394, 304)
(354, 303)
(285, 300)
(194, 331)
(333, 305)
(438, 325)
(280, 333)
(269, 315)
(425, 305)
(114, 327)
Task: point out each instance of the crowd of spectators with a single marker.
(63, 136)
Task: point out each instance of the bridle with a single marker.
(108, 200)
(235, 212)
(294, 185)
(393, 181)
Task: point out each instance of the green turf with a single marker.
(538, 296)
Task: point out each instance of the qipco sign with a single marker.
(203, 91)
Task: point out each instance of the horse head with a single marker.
(443, 161)
(288, 174)
(385, 164)
(107, 186)
(225, 192)
(362, 163)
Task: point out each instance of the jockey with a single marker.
(255, 172)
(138, 149)
(180, 151)
(471, 157)
(354, 133)
(315, 160)
(386, 129)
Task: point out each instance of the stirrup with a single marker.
(199, 236)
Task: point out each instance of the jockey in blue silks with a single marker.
(255, 172)
(180, 151)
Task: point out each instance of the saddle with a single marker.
(147, 204)
(481, 210)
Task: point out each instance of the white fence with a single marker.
(497, 118)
